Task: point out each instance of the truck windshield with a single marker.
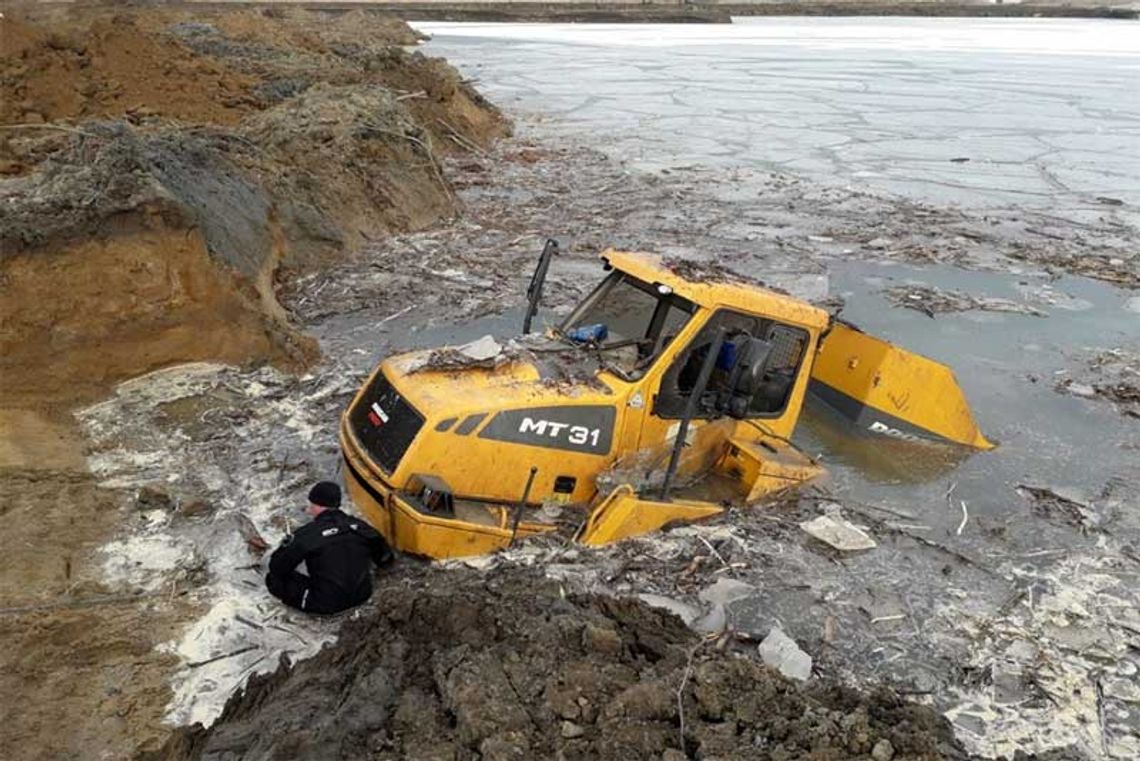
(628, 321)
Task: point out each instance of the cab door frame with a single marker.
(659, 431)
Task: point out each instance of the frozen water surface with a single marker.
(1046, 111)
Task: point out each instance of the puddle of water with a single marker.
(1044, 437)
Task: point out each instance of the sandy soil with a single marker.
(160, 172)
(71, 643)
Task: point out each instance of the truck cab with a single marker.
(669, 379)
(605, 389)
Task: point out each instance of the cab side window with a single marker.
(770, 392)
(771, 395)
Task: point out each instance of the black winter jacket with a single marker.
(338, 551)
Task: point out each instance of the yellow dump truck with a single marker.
(671, 391)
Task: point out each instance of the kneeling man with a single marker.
(338, 551)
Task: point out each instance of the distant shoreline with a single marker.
(694, 13)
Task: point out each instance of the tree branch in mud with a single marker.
(681, 688)
(424, 145)
(460, 140)
(222, 657)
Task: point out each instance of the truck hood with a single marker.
(485, 377)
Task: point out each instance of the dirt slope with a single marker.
(185, 160)
(109, 68)
(504, 666)
(162, 174)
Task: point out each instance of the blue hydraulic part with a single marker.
(726, 359)
(588, 333)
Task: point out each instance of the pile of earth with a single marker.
(505, 665)
(162, 172)
(108, 68)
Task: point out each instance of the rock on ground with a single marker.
(780, 651)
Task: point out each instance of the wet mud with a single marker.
(160, 171)
(506, 664)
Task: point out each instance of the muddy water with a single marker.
(1009, 365)
(1041, 110)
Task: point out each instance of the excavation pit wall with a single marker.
(156, 192)
(149, 220)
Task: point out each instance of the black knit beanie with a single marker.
(325, 494)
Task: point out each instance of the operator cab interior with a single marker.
(754, 374)
(628, 322)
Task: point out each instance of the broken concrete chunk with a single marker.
(840, 534)
(570, 730)
(485, 352)
(681, 610)
(712, 622)
(481, 349)
(720, 596)
(780, 651)
(725, 591)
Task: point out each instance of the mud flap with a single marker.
(623, 514)
(892, 392)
